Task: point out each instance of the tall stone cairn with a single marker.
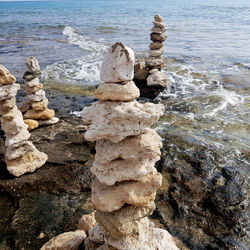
(21, 155)
(127, 149)
(155, 61)
(36, 110)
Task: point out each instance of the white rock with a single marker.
(52, 121)
(32, 64)
(37, 96)
(117, 92)
(159, 24)
(118, 64)
(15, 152)
(33, 82)
(7, 104)
(117, 120)
(17, 139)
(130, 159)
(65, 241)
(158, 18)
(157, 79)
(12, 121)
(156, 52)
(8, 91)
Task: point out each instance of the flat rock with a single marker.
(118, 64)
(155, 37)
(117, 92)
(32, 124)
(158, 30)
(8, 91)
(130, 159)
(37, 96)
(156, 45)
(32, 65)
(40, 106)
(30, 76)
(123, 222)
(153, 62)
(158, 18)
(52, 121)
(12, 121)
(32, 83)
(5, 76)
(46, 114)
(31, 90)
(157, 79)
(12, 153)
(66, 241)
(87, 222)
(17, 139)
(137, 193)
(126, 118)
(27, 163)
(156, 52)
(159, 24)
(7, 104)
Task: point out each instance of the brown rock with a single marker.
(155, 37)
(8, 91)
(117, 92)
(159, 24)
(154, 63)
(7, 104)
(25, 106)
(157, 78)
(40, 106)
(158, 18)
(5, 76)
(32, 124)
(156, 45)
(86, 222)
(156, 52)
(90, 245)
(158, 30)
(31, 90)
(124, 221)
(27, 163)
(46, 114)
(66, 241)
(138, 193)
(140, 71)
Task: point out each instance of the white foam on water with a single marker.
(84, 70)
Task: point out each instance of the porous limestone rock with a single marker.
(155, 45)
(124, 221)
(116, 120)
(156, 52)
(141, 72)
(31, 90)
(96, 234)
(46, 114)
(8, 91)
(32, 124)
(118, 64)
(37, 96)
(7, 104)
(65, 241)
(17, 139)
(16, 152)
(158, 30)
(159, 24)
(32, 83)
(157, 79)
(12, 121)
(155, 37)
(5, 76)
(117, 92)
(130, 159)
(40, 106)
(32, 65)
(138, 193)
(52, 121)
(27, 163)
(87, 222)
(158, 18)
(153, 62)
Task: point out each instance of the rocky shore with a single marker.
(203, 205)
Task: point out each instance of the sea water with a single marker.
(207, 53)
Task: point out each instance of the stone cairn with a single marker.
(127, 149)
(21, 155)
(36, 111)
(155, 61)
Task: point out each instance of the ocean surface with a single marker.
(207, 52)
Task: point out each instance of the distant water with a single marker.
(207, 52)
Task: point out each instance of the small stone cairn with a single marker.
(36, 111)
(155, 61)
(127, 149)
(21, 155)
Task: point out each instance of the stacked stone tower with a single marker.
(155, 61)
(127, 149)
(21, 155)
(37, 111)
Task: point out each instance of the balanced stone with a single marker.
(51, 121)
(159, 24)
(158, 30)
(31, 90)
(32, 124)
(118, 64)
(155, 37)
(8, 91)
(17, 139)
(127, 118)
(40, 115)
(157, 79)
(33, 82)
(7, 104)
(32, 65)
(5, 76)
(40, 106)
(138, 193)
(155, 45)
(153, 62)
(117, 92)
(37, 96)
(156, 52)
(158, 18)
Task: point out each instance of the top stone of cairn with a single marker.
(33, 65)
(5, 76)
(118, 64)
(158, 18)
